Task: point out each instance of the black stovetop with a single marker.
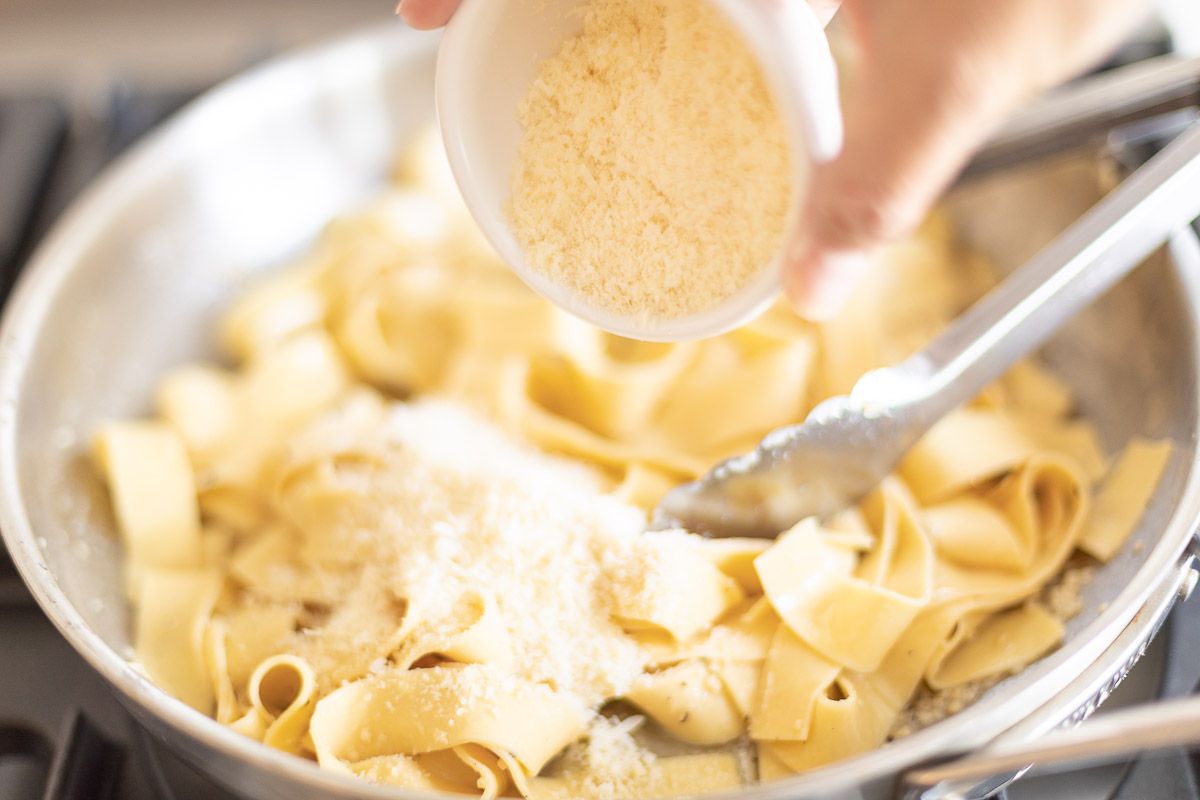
(63, 736)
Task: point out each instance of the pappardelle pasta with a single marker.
(405, 535)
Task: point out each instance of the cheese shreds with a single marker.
(452, 509)
(654, 176)
(609, 759)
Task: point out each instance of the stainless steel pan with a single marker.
(129, 283)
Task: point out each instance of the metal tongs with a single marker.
(848, 444)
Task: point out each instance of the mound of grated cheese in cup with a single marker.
(653, 179)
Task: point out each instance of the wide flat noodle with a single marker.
(1033, 389)
(253, 632)
(283, 693)
(674, 776)
(735, 557)
(689, 701)
(169, 640)
(411, 712)
(474, 633)
(743, 636)
(153, 493)
(673, 588)
(706, 410)
(201, 402)
(967, 447)
(851, 619)
(846, 720)
(974, 533)
(792, 679)
(1048, 502)
(606, 394)
(1003, 642)
(1124, 497)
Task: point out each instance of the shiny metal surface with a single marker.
(962, 778)
(129, 282)
(1084, 115)
(848, 444)
(1119, 736)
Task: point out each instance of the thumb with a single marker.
(910, 120)
(425, 14)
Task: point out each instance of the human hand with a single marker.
(932, 80)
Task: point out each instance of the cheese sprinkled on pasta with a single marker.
(455, 591)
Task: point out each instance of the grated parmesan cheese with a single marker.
(609, 759)
(653, 178)
(450, 507)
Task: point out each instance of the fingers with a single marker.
(933, 80)
(909, 123)
(426, 14)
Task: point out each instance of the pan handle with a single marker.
(1087, 111)
(1112, 737)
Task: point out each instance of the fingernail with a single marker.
(400, 7)
(820, 288)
